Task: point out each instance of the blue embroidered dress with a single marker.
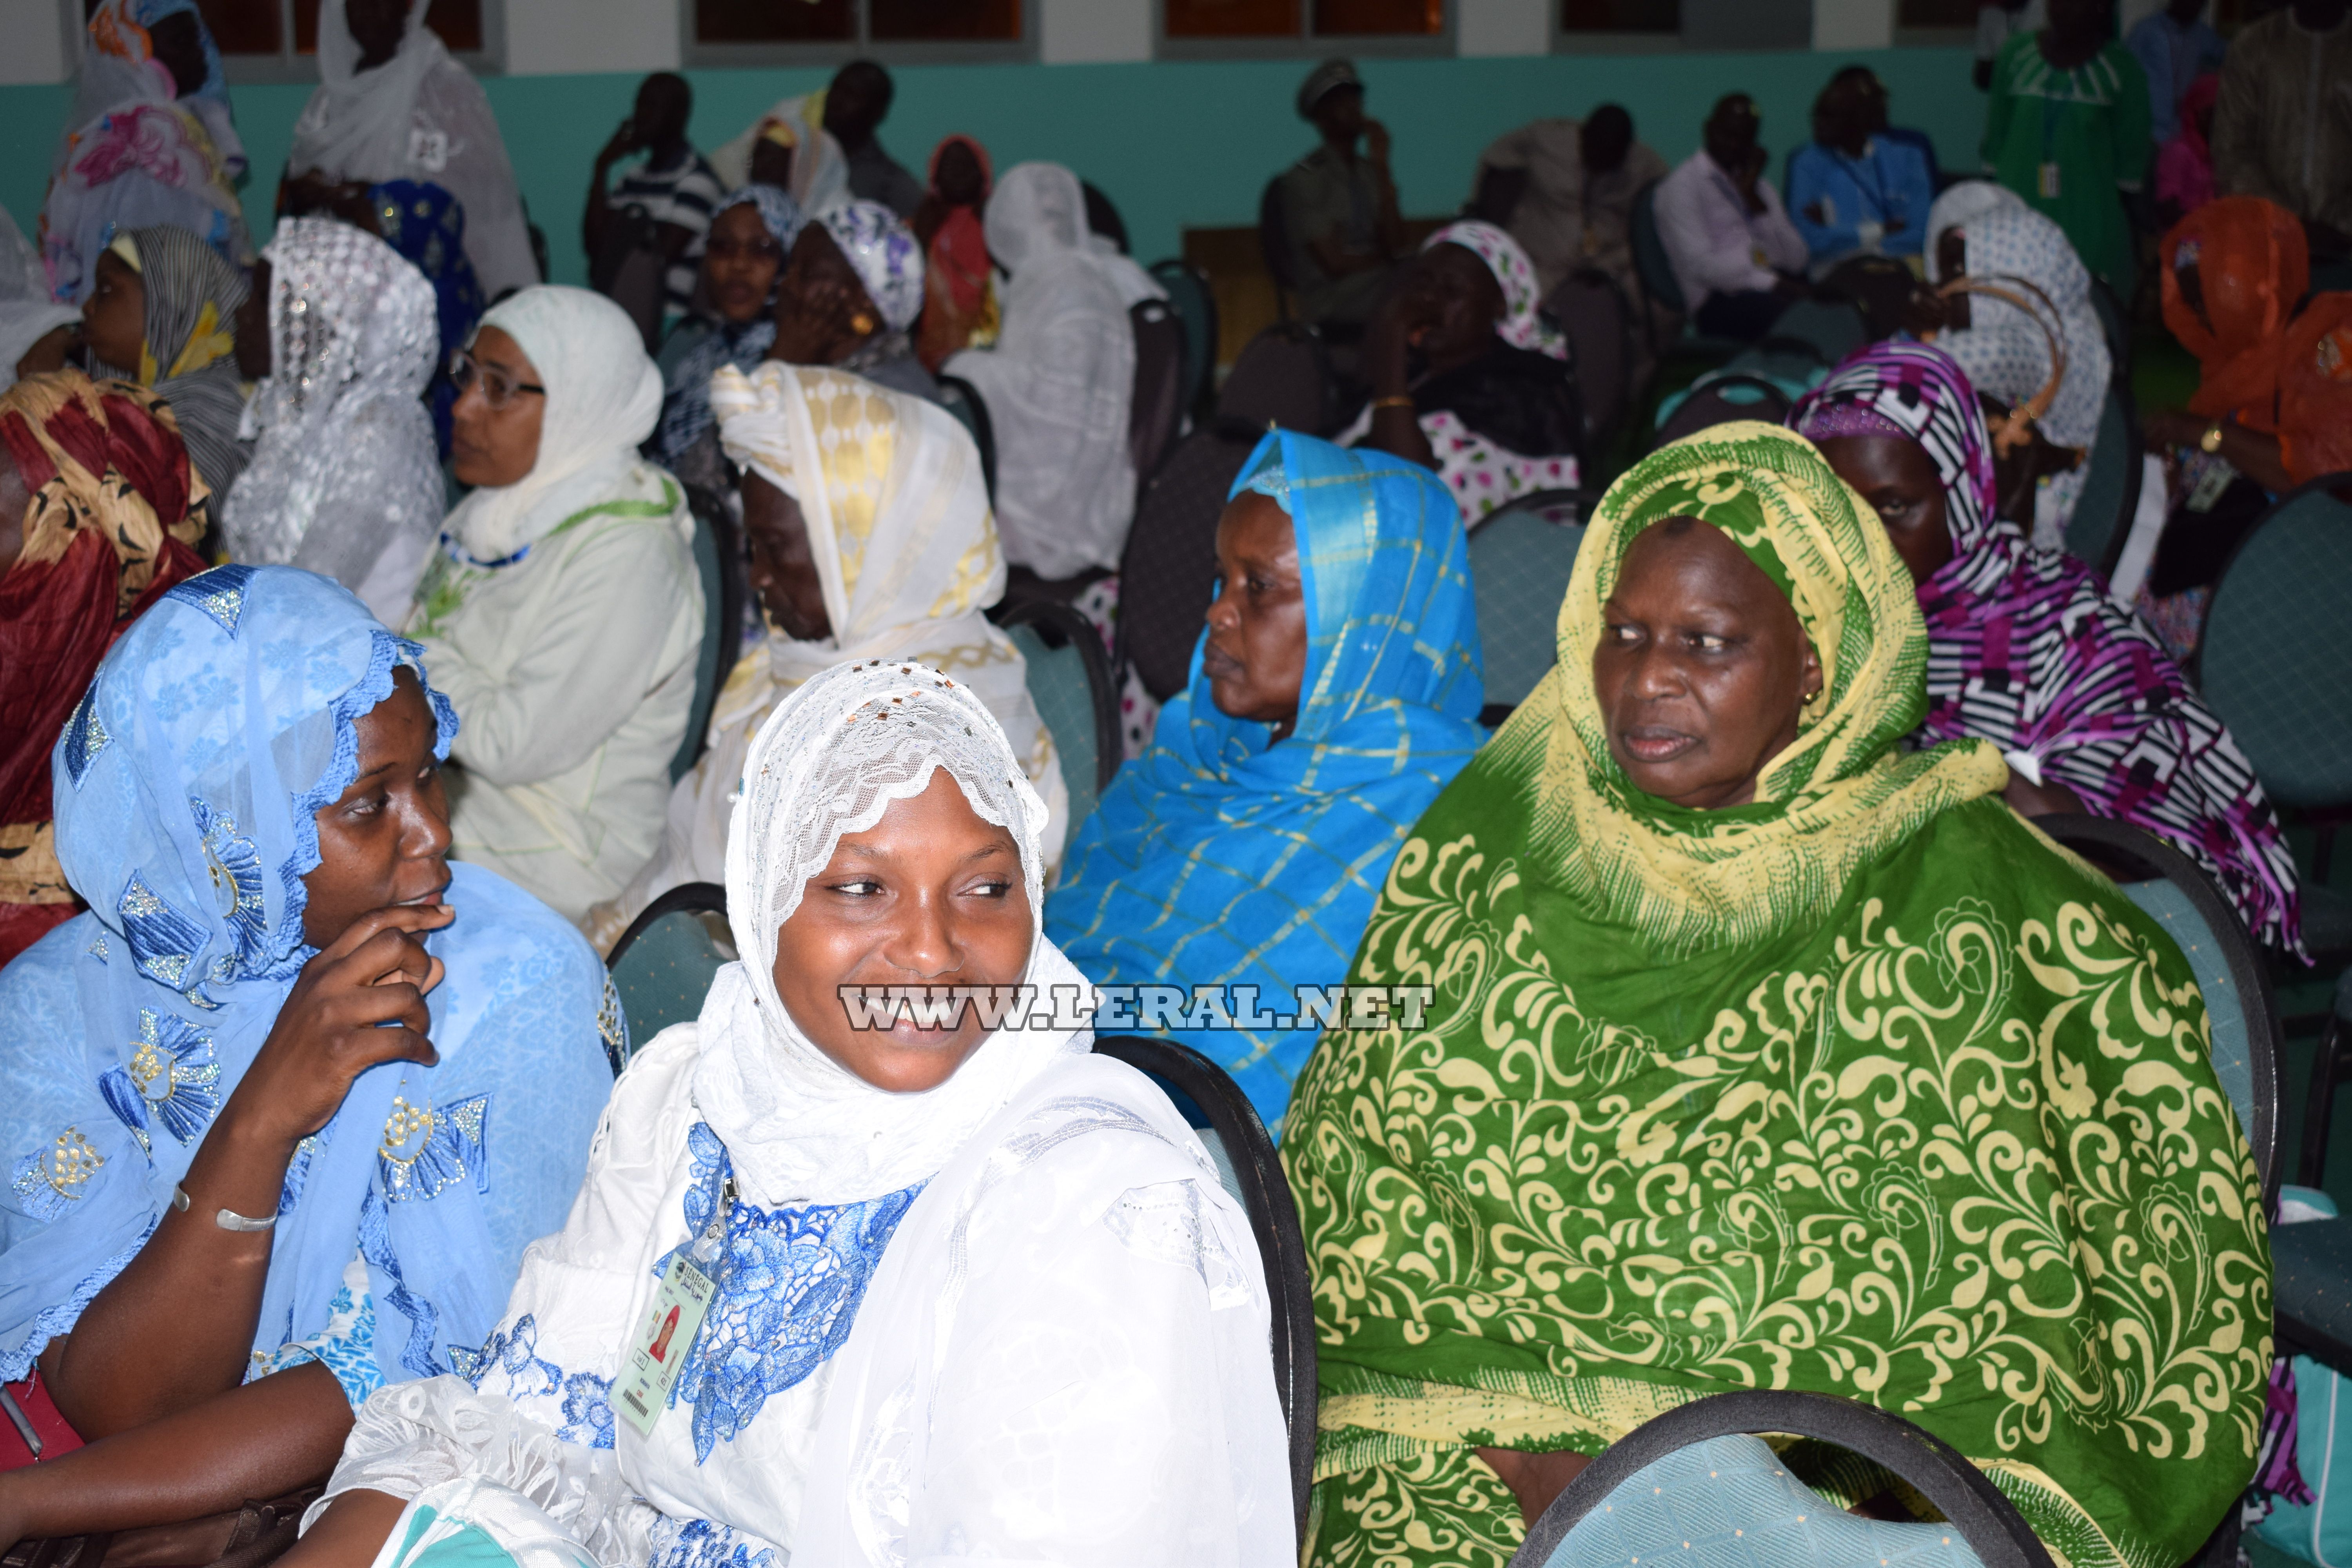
(188, 782)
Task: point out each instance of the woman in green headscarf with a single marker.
(1765, 1053)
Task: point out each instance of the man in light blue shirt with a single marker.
(1852, 191)
(2174, 47)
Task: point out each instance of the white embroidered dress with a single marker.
(1015, 1318)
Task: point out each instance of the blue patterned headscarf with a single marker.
(186, 786)
(886, 255)
(426, 226)
(685, 412)
(1217, 859)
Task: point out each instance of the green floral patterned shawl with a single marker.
(1866, 1088)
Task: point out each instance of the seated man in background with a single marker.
(1852, 189)
(1341, 231)
(855, 105)
(674, 187)
(1565, 192)
(2282, 130)
(1733, 250)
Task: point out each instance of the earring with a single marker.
(861, 323)
(1812, 697)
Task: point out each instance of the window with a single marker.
(1946, 15)
(1585, 17)
(1303, 26)
(252, 34)
(751, 32)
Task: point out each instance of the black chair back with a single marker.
(1195, 300)
(1229, 1126)
(1274, 244)
(1058, 626)
(1591, 307)
(962, 399)
(1282, 377)
(1650, 264)
(2096, 533)
(663, 964)
(1169, 573)
(1715, 404)
(1971, 1504)
(725, 585)
(2240, 1006)
(1155, 410)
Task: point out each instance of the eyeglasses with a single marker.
(497, 390)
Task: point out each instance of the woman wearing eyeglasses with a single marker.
(561, 614)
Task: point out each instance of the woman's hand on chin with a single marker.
(358, 1002)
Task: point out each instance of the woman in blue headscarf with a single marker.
(285, 1107)
(1334, 692)
(427, 226)
(744, 257)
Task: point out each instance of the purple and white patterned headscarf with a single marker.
(887, 259)
(2027, 649)
(1520, 327)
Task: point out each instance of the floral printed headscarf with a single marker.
(884, 251)
(1521, 326)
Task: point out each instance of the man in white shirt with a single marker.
(1737, 258)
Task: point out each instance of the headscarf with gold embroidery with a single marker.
(189, 357)
(114, 510)
(1860, 1089)
(1837, 797)
(896, 505)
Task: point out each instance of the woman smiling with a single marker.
(1766, 1053)
(927, 1291)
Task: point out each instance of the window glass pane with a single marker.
(1935, 13)
(1345, 17)
(775, 21)
(1232, 19)
(459, 23)
(914, 20)
(1623, 16)
(243, 27)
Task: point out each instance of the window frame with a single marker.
(1306, 45)
(290, 68)
(696, 55)
(1622, 42)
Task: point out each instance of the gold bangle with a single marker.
(1398, 401)
(2210, 442)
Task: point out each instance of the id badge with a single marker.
(2210, 485)
(660, 1347)
(2046, 182)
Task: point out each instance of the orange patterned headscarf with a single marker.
(2252, 268)
(104, 457)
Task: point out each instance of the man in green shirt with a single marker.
(1341, 234)
(2067, 128)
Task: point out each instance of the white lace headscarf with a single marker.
(603, 397)
(1060, 379)
(833, 758)
(353, 334)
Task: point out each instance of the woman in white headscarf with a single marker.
(959, 1294)
(562, 613)
(149, 140)
(852, 286)
(872, 540)
(789, 148)
(1060, 379)
(392, 105)
(343, 480)
(1989, 235)
(35, 332)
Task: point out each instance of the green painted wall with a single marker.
(1176, 143)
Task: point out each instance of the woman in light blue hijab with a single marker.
(296, 1089)
(1242, 852)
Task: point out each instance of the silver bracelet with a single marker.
(227, 1219)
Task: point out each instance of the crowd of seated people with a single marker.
(357, 696)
